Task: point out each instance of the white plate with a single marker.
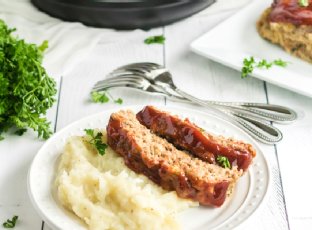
(249, 194)
(237, 38)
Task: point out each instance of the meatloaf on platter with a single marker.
(288, 24)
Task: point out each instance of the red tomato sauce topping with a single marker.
(290, 11)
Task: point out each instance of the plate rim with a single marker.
(168, 108)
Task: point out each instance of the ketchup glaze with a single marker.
(290, 11)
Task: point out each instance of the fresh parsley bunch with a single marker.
(26, 90)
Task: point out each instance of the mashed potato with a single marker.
(105, 194)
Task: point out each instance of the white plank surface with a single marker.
(196, 75)
(75, 95)
(295, 157)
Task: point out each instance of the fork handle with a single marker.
(268, 112)
(258, 129)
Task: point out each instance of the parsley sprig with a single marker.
(303, 3)
(223, 161)
(249, 64)
(26, 90)
(159, 39)
(104, 97)
(96, 141)
(10, 223)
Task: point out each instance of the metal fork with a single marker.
(257, 128)
(136, 82)
(158, 75)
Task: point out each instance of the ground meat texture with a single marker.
(185, 135)
(293, 37)
(172, 169)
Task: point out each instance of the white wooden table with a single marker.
(289, 203)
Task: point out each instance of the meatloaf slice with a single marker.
(295, 39)
(186, 135)
(172, 169)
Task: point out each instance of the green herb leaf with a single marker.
(10, 223)
(101, 147)
(99, 97)
(118, 101)
(26, 90)
(248, 67)
(20, 132)
(104, 97)
(264, 64)
(280, 62)
(43, 46)
(249, 64)
(223, 161)
(160, 39)
(303, 3)
(89, 132)
(96, 141)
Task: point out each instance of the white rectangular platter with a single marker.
(237, 38)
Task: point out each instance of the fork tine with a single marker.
(105, 83)
(136, 64)
(139, 71)
(116, 77)
(133, 75)
(149, 89)
(117, 81)
(147, 66)
(115, 85)
(130, 70)
(134, 79)
(142, 68)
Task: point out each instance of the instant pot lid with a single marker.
(121, 14)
